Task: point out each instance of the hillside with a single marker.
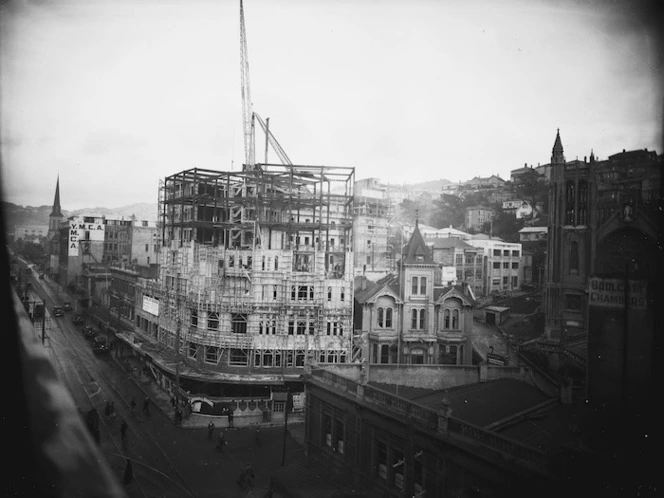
(29, 215)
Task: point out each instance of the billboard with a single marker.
(79, 230)
(151, 305)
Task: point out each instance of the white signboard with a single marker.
(87, 231)
(151, 305)
(610, 293)
(449, 274)
(73, 241)
(298, 401)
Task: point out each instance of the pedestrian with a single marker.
(132, 404)
(123, 430)
(128, 472)
(210, 430)
(146, 405)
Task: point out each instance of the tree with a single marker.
(531, 188)
(448, 211)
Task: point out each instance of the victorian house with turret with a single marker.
(410, 317)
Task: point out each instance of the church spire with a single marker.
(56, 202)
(557, 156)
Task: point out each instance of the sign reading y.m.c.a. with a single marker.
(611, 293)
(80, 229)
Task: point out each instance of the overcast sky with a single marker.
(114, 95)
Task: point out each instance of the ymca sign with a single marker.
(610, 293)
(81, 230)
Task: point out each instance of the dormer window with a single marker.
(419, 257)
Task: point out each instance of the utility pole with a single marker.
(177, 343)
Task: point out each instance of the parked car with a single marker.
(100, 348)
(58, 311)
(67, 307)
(78, 319)
(88, 332)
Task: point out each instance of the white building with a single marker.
(502, 264)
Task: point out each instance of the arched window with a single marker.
(422, 318)
(574, 258)
(379, 315)
(446, 316)
(455, 319)
(569, 203)
(583, 203)
(388, 318)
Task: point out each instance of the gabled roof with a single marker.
(387, 285)
(416, 251)
(444, 243)
(442, 293)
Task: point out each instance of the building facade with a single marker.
(502, 265)
(602, 269)
(408, 319)
(255, 275)
(476, 216)
(465, 261)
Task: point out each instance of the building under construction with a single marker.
(255, 273)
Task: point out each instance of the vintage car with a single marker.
(67, 306)
(58, 311)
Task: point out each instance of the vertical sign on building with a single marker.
(73, 237)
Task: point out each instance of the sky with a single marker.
(114, 95)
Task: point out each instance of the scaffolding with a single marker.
(258, 262)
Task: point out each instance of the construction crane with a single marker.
(248, 115)
(247, 112)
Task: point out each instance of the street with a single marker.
(167, 461)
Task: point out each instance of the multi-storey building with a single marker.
(255, 277)
(407, 318)
(602, 269)
(117, 241)
(372, 214)
(502, 264)
(465, 261)
(30, 232)
(476, 216)
(144, 243)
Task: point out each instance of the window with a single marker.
(574, 258)
(213, 320)
(515, 282)
(515, 254)
(380, 462)
(211, 354)
(381, 318)
(239, 323)
(417, 356)
(276, 263)
(496, 265)
(417, 319)
(515, 266)
(194, 318)
(343, 295)
(384, 353)
(459, 259)
(573, 302)
(339, 436)
(506, 253)
(147, 247)
(192, 350)
(506, 265)
(388, 318)
(329, 294)
(505, 280)
(583, 203)
(469, 259)
(455, 319)
(419, 286)
(291, 327)
(274, 293)
(569, 203)
(301, 327)
(327, 431)
(496, 252)
(446, 319)
(239, 357)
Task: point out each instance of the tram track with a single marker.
(84, 376)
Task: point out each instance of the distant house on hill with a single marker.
(493, 181)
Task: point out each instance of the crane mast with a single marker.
(247, 113)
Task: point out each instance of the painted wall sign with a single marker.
(610, 293)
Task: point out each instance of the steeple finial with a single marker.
(557, 155)
(56, 201)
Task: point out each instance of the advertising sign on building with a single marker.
(151, 305)
(610, 293)
(72, 242)
(449, 274)
(86, 230)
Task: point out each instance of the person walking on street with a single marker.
(123, 430)
(210, 430)
(146, 405)
(128, 472)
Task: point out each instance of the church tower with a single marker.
(54, 219)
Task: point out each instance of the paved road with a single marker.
(167, 461)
